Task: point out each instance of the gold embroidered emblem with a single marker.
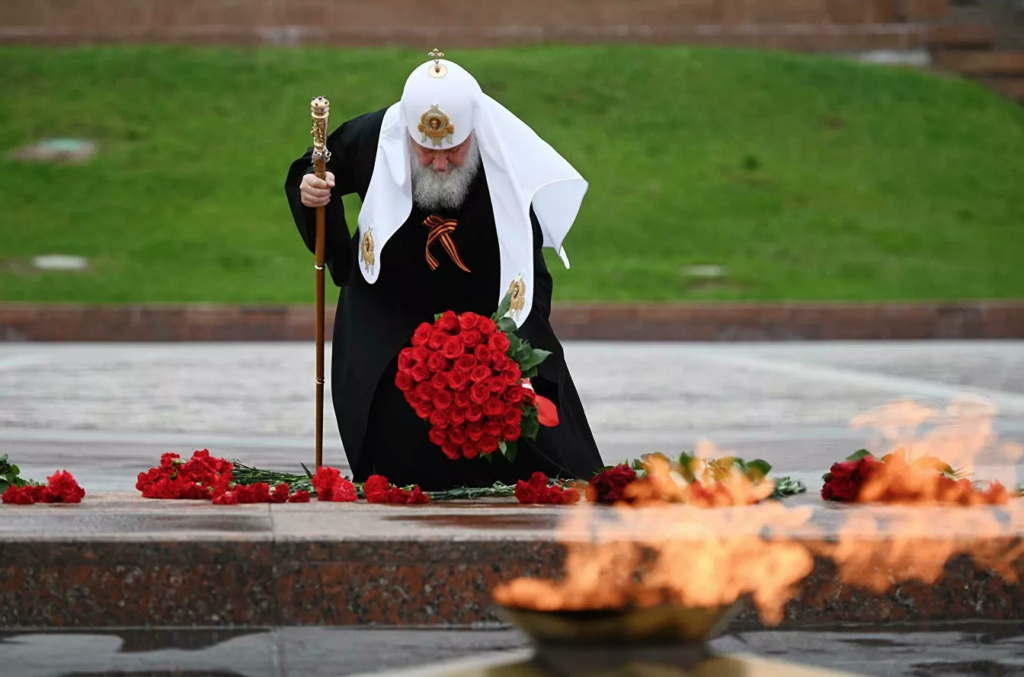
(366, 250)
(518, 291)
(435, 125)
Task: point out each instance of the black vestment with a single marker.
(379, 429)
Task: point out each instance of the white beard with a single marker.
(433, 190)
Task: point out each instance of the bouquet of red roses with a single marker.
(468, 376)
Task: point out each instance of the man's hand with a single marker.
(316, 192)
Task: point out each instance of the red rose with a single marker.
(453, 348)
(424, 392)
(462, 399)
(475, 431)
(437, 338)
(439, 418)
(420, 353)
(299, 497)
(486, 326)
(494, 428)
(422, 334)
(498, 343)
(480, 374)
(457, 435)
(469, 321)
(479, 393)
(514, 396)
(483, 353)
(451, 450)
(404, 381)
(436, 362)
(608, 486)
(843, 483)
(457, 415)
(423, 409)
(406, 360)
(470, 449)
(489, 444)
(449, 321)
(457, 380)
(420, 373)
(442, 399)
(496, 385)
(436, 436)
(474, 413)
(376, 489)
(512, 375)
(511, 433)
(439, 381)
(512, 416)
(501, 362)
(494, 407)
(280, 494)
(466, 363)
(471, 339)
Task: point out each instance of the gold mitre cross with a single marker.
(437, 70)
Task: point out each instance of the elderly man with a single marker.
(458, 198)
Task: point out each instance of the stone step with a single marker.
(1011, 88)
(1000, 63)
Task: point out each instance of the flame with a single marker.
(712, 489)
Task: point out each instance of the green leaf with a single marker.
(437, 316)
(3, 459)
(758, 468)
(488, 457)
(511, 451)
(503, 308)
(531, 426)
(306, 470)
(858, 455)
(686, 464)
(507, 325)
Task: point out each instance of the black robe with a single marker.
(379, 429)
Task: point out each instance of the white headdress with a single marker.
(441, 105)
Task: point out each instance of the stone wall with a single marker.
(462, 22)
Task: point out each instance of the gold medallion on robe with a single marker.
(517, 289)
(435, 125)
(366, 250)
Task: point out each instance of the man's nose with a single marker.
(440, 163)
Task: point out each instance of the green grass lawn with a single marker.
(806, 177)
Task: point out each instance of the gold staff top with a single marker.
(321, 109)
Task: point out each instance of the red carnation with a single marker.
(530, 491)
(498, 343)
(323, 482)
(418, 497)
(227, 498)
(404, 381)
(64, 489)
(422, 334)
(299, 497)
(280, 494)
(344, 491)
(453, 348)
(376, 489)
(18, 496)
(449, 322)
(469, 321)
(608, 486)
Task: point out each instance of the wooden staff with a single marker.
(321, 109)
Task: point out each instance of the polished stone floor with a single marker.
(981, 650)
(105, 411)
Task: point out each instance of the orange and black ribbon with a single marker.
(442, 229)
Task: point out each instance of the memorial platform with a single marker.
(118, 560)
